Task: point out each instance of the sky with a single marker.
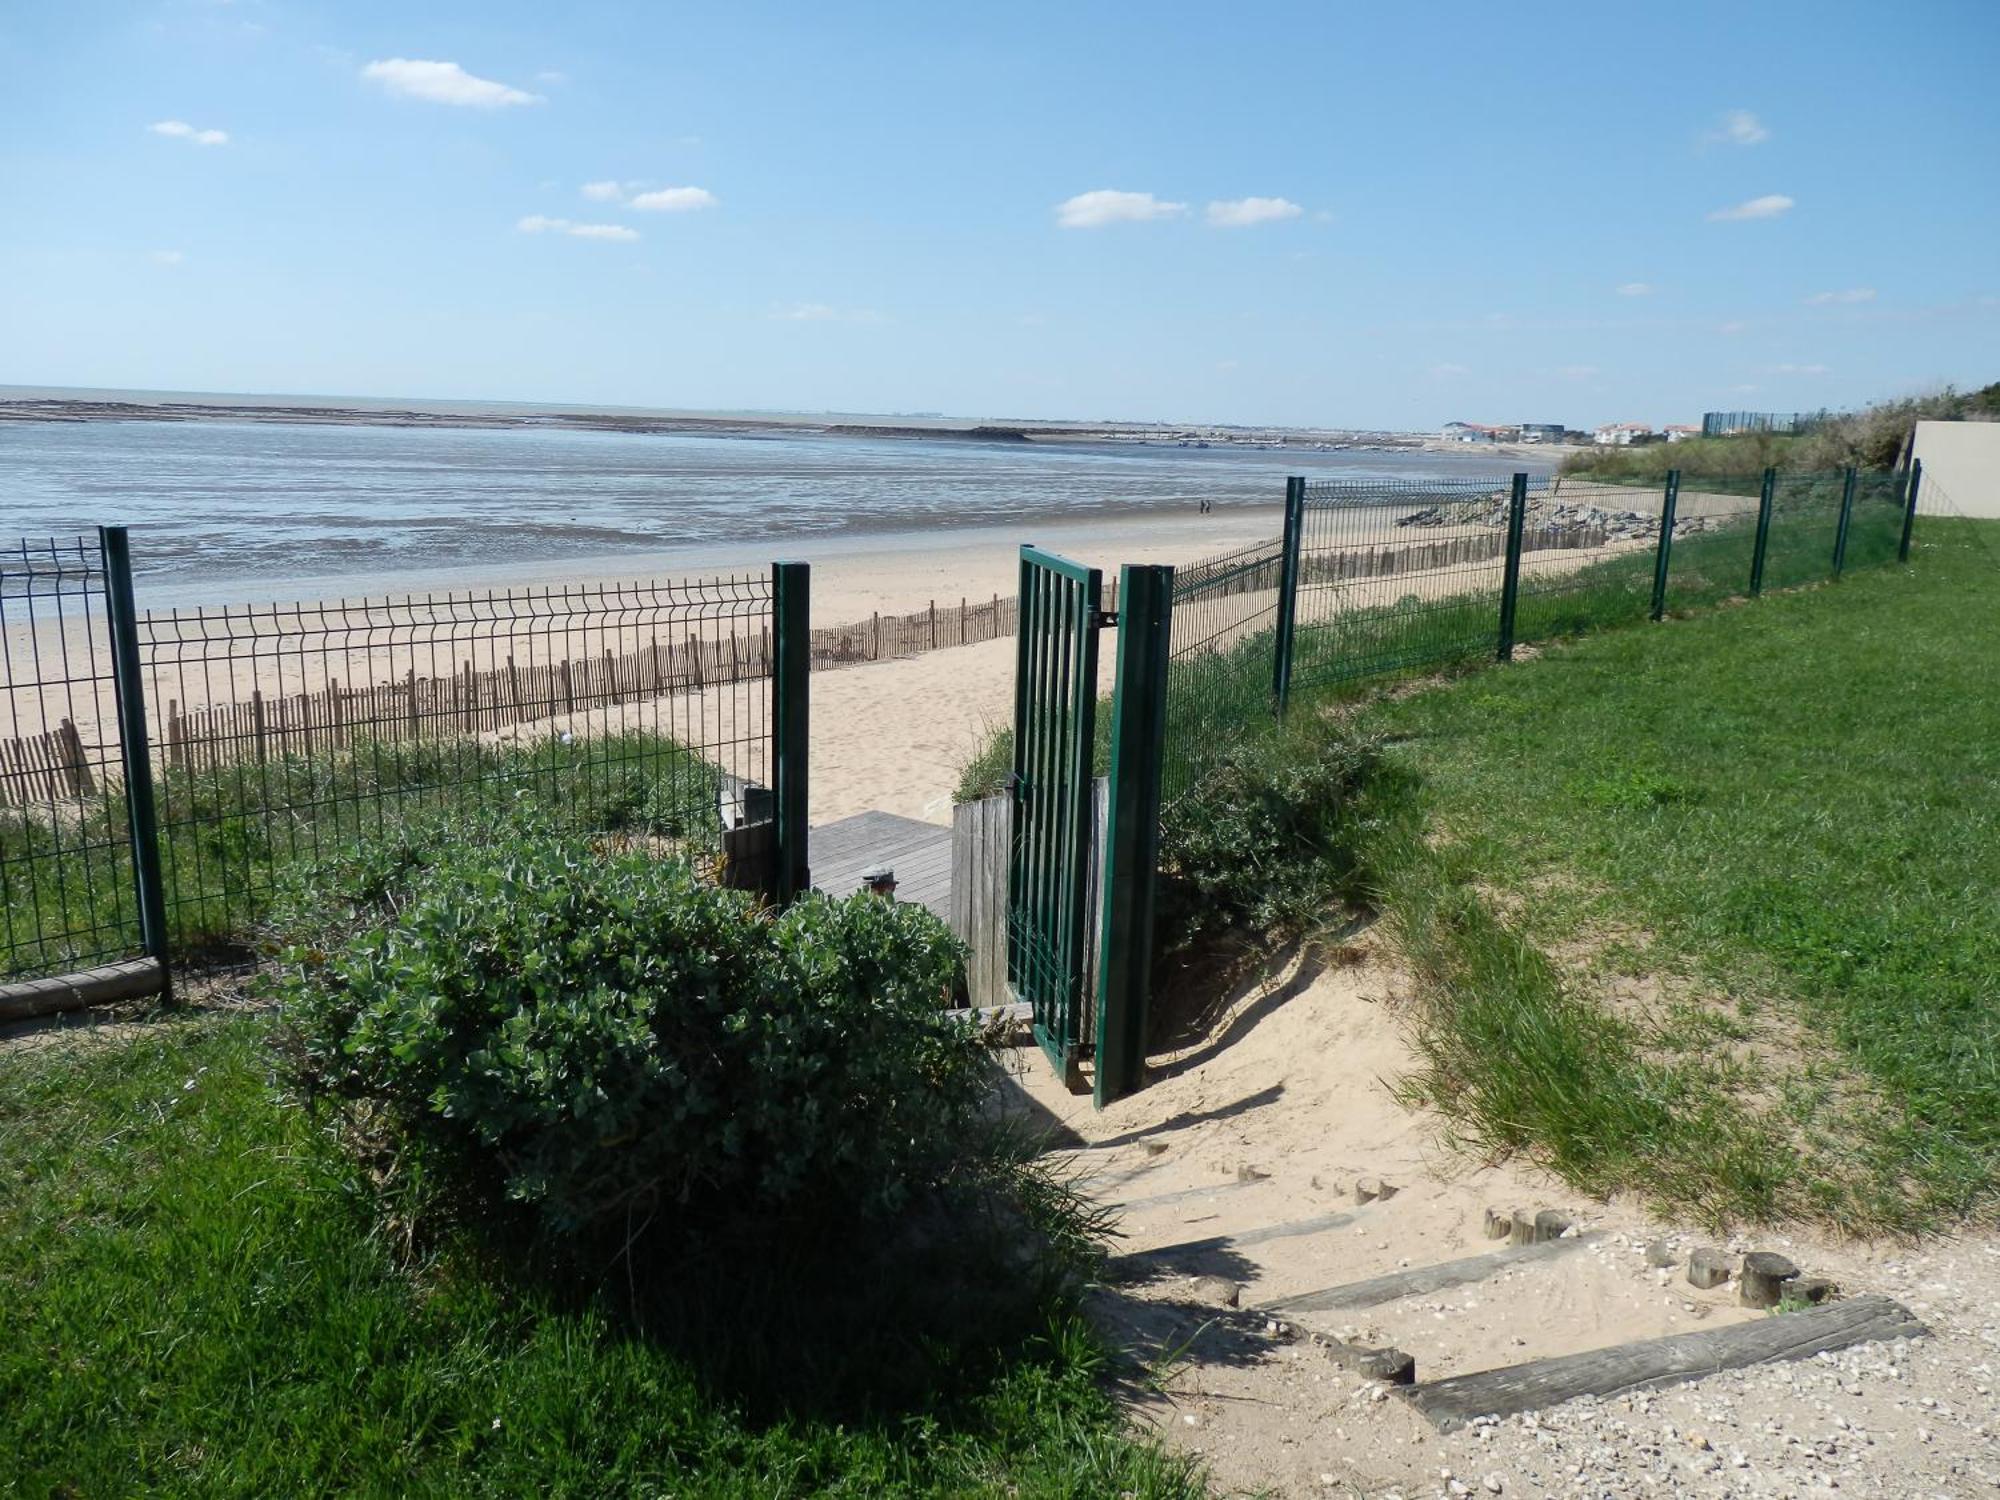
(1308, 213)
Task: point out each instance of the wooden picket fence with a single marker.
(50, 767)
(469, 701)
(54, 766)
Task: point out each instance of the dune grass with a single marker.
(1770, 834)
(198, 1299)
(230, 834)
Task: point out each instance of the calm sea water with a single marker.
(217, 503)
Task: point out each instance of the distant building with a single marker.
(1623, 434)
(1680, 432)
(1728, 423)
(1465, 432)
(1541, 432)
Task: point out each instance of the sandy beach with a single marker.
(889, 734)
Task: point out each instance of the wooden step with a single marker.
(1398, 1284)
(1647, 1365)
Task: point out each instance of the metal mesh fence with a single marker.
(1875, 531)
(281, 730)
(66, 893)
(1805, 522)
(1399, 574)
(1222, 657)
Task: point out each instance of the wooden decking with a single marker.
(919, 853)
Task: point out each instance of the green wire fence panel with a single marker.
(1875, 531)
(1222, 656)
(1805, 526)
(66, 877)
(280, 731)
(1398, 574)
(1049, 854)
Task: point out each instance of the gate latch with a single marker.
(1106, 617)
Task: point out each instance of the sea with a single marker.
(226, 508)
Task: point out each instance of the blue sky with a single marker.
(1304, 213)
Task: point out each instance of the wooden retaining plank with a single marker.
(134, 979)
(1652, 1363)
(1377, 1290)
(1186, 1249)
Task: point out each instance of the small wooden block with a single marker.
(1499, 1224)
(1551, 1224)
(1765, 1277)
(1708, 1268)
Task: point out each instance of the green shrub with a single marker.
(605, 1039)
(1268, 838)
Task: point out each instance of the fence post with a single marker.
(1846, 518)
(1764, 498)
(129, 686)
(1663, 555)
(1288, 594)
(1132, 832)
(791, 629)
(1510, 582)
(1910, 509)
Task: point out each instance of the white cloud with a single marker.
(167, 257)
(1449, 372)
(1731, 327)
(1738, 128)
(1577, 372)
(1104, 206)
(180, 130)
(542, 224)
(1636, 289)
(443, 83)
(1851, 294)
(603, 192)
(1798, 369)
(552, 76)
(1767, 207)
(1241, 213)
(674, 200)
(821, 312)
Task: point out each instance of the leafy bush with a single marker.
(605, 1039)
(1268, 838)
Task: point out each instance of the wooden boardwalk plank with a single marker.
(1398, 1284)
(919, 853)
(1450, 1404)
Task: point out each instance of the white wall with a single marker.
(1962, 459)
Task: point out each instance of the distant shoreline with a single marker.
(67, 409)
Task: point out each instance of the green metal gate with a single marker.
(1055, 732)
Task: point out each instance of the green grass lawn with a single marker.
(196, 1299)
(1709, 909)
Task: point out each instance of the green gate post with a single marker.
(1664, 553)
(1288, 594)
(1764, 498)
(1132, 835)
(1510, 583)
(791, 633)
(129, 685)
(1846, 519)
(1910, 509)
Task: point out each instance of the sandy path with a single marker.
(1267, 1118)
